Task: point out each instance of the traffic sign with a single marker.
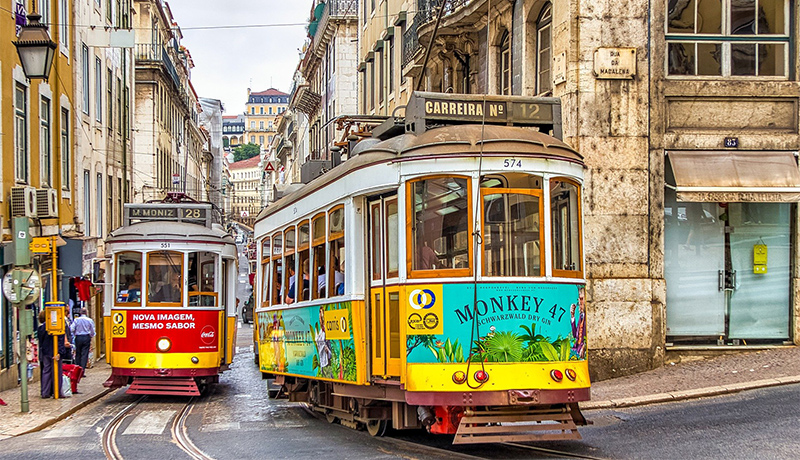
(271, 166)
(176, 179)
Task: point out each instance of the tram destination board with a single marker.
(194, 213)
(427, 109)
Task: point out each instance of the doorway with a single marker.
(383, 245)
(727, 268)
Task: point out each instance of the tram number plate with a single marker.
(119, 325)
(512, 163)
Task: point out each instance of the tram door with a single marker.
(384, 262)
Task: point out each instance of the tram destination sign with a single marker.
(193, 212)
(427, 109)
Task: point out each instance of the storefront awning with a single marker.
(734, 176)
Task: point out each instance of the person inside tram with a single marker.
(292, 295)
(321, 281)
(290, 272)
(426, 258)
(170, 292)
(338, 277)
(135, 287)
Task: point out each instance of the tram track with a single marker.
(178, 432)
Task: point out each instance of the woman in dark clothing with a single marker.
(46, 358)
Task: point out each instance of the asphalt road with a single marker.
(238, 421)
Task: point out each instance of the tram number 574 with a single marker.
(512, 163)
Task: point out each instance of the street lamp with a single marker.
(35, 48)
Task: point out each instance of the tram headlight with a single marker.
(163, 344)
(556, 375)
(571, 374)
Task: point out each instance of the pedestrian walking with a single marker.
(49, 368)
(82, 331)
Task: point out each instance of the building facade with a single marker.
(232, 130)
(211, 122)
(686, 114)
(169, 142)
(36, 156)
(261, 109)
(246, 190)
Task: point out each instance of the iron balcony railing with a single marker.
(156, 53)
(426, 12)
(336, 9)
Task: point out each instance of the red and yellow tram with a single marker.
(170, 313)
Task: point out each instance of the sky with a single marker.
(229, 60)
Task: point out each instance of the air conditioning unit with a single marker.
(23, 201)
(46, 203)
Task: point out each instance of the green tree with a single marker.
(246, 151)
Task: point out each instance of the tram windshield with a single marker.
(440, 229)
(565, 211)
(511, 237)
(129, 278)
(164, 277)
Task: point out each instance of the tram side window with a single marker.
(164, 277)
(318, 254)
(336, 242)
(439, 224)
(304, 261)
(277, 268)
(129, 278)
(289, 295)
(266, 271)
(202, 279)
(565, 217)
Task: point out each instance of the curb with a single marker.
(65, 414)
(689, 394)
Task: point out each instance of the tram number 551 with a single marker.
(512, 163)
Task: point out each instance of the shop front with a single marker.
(728, 246)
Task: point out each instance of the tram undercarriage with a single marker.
(379, 407)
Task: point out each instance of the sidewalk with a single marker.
(45, 412)
(691, 378)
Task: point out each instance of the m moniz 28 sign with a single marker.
(459, 108)
(175, 212)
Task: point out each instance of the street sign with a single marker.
(271, 166)
(176, 179)
(245, 214)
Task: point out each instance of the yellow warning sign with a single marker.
(119, 325)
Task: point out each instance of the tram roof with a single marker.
(464, 140)
(161, 230)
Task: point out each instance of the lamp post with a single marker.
(35, 48)
(36, 51)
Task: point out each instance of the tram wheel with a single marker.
(330, 417)
(377, 428)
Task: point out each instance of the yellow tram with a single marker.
(435, 279)
(170, 313)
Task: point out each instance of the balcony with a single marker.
(426, 14)
(335, 10)
(147, 53)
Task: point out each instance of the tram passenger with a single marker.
(338, 277)
(290, 272)
(322, 280)
(292, 295)
(426, 257)
(170, 292)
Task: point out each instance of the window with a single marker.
(511, 232)
(99, 198)
(505, 64)
(165, 278)
(87, 202)
(261, 110)
(565, 220)
(45, 143)
(252, 125)
(98, 87)
(440, 216)
(544, 80)
(202, 279)
(270, 126)
(110, 100)
(261, 140)
(728, 38)
(390, 57)
(119, 106)
(277, 268)
(20, 133)
(44, 10)
(318, 256)
(336, 263)
(392, 239)
(63, 20)
(129, 278)
(266, 252)
(260, 125)
(289, 262)
(85, 77)
(109, 11)
(371, 80)
(252, 139)
(304, 261)
(65, 159)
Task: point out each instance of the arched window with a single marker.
(544, 55)
(505, 64)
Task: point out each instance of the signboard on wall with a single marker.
(615, 63)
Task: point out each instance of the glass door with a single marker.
(694, 268)
(759, 251)
(384, 297)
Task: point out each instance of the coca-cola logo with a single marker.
(207, 335)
